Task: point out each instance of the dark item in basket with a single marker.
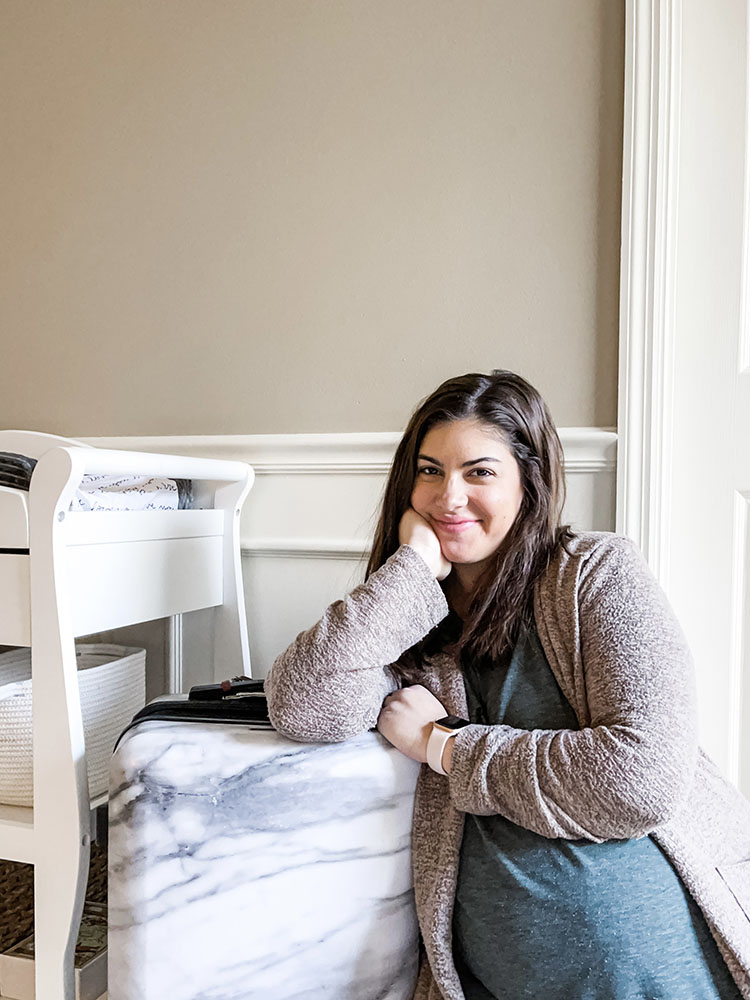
(16, 470)
(184, 493)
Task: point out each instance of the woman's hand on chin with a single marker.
(406, 720)
(416, 531)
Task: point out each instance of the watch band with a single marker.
(442, 731)
(435, 746)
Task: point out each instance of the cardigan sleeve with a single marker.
(631, 764)
(329, 684)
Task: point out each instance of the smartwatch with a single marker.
(442, 731)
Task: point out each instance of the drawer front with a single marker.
(113, 585)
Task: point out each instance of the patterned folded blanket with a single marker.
(106, 492)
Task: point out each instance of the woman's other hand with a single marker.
(415, 531)
(406, 720)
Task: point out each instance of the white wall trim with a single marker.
(307, 548)
(307, 525)
(276, 454)
(587, 449)
(647, 277)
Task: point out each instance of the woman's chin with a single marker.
(458, 552)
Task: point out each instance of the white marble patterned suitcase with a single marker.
(244, 866)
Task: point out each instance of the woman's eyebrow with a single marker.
(474, 461)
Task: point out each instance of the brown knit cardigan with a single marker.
(632, 769)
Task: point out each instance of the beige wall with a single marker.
(267, 216)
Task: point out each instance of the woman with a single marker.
(569, 841)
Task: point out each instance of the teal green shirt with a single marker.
(569, 919)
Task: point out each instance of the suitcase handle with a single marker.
(237, 687)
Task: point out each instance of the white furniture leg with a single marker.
(231, 652)
(61, 798)
(59, 886)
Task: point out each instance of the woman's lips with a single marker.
(453, 527)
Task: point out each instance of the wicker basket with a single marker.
(112, 686)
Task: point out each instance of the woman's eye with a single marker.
(480, 473)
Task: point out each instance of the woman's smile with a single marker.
(454, 527)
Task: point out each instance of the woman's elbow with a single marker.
(309, 707)
(308, 726)
(308, 714)
(651, 804)
(291, 700)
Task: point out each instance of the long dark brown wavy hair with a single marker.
(502, 604)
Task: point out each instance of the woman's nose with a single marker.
(453, 494)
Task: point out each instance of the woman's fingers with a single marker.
(406, 717)
(415, 531)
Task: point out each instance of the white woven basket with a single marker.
(112, 686)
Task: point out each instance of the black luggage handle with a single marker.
(237, 687)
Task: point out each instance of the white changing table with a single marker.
(67, 574)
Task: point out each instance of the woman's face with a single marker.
(468, 487)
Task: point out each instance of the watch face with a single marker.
(452, 722)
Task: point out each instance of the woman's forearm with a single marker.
(329, 684)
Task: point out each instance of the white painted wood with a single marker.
(589, 449)
(174, 655)
(740, 639)
(107, 461)
(306, 548)
(711, 469)
(586, 449)
(231, 649)
(15, 600)
(81, 576)
(122, 525)
(711, 393)
(139, 581)
(647, 273)
(276, 454)
(320, 492)
(739, 683)
(685, 400)
(61, 801)
(141, 525)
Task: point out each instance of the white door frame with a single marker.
(647, 277)
(654, 79)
